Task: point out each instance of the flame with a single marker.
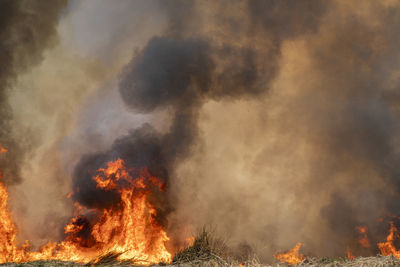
(189, 241)
(364, 241)
(140, 236)
(292, 256)
(130, 230)
(2, 149)
(349, 255)
(387, 248)
(8, 231)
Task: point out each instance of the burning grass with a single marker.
(129, 231)
(130, 235)
(209, 251)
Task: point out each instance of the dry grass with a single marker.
(209, 251)
(205, 248)
(379, 261)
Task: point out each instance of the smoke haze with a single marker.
(273, 121)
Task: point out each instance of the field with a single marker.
(207, 251)
(380, 261)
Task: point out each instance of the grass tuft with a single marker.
(205, 247)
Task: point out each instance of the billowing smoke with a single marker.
(186, 68)
(27, 28)
(279, 119)
(315, 156)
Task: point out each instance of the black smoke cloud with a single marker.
(167, 72)
(26, 29)
(182, 70)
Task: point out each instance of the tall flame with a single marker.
(292, 256)
(8, 231)
(132, 230)
(129, 230)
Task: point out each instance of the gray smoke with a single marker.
(27, 28)
(284, 122)
(183, 70)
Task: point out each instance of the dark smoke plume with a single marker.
(323, 140)
(26, 29)
(182, 70)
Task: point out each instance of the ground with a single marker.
(380, 261)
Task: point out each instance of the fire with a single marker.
(387, 248)
(129, 230)
(8, 231)
(189, 241)
(292, 256)
(2, 149)
(349, 255)
(364, 241)
(132, 230)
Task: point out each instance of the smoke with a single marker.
(55, 102)
(315, 156)
(273, 121)
(181, 71)
(284, 119)
(25, 32)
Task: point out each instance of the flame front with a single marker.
(129, 230)
(387, 248)
(292, 256)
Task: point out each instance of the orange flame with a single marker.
(8, 231)
(189, 241)
(138, 235)
(349, 255)
(130, 229)
(292, 256)
(387, 248)
(364, 241)
(2, 149)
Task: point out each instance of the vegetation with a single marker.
(205, 247)
(209, 251)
